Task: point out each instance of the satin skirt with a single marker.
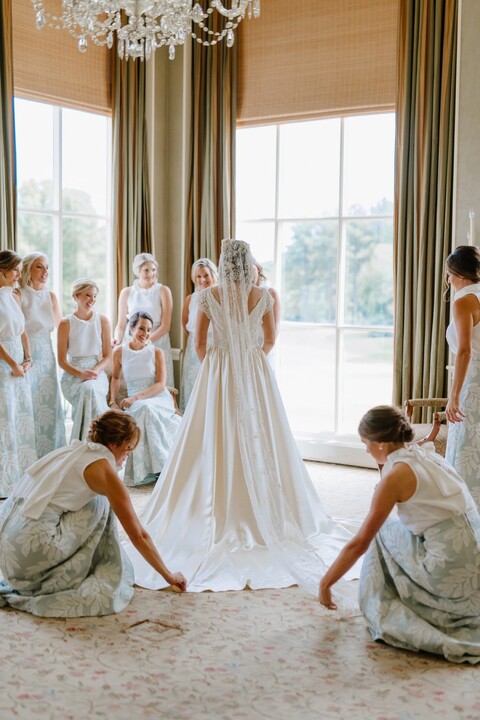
(17, 429)
(88, 398)
(423, 592)
(46, 396)
(200, 515)
(65, 564)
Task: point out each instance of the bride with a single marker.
(234, 505)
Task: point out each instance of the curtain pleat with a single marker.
(131, 207)
(7, 135)
(427, 46)
(212, 170)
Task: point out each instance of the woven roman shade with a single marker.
(317, 58)
(49, 67)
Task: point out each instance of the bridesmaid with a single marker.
(17, 431)
(42, 315)
(60, 554)
(148, 401)
(462, 268)
(83, 354)
(261, 280)
(149, 295)
(204, 275)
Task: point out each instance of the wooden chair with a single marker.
(435, 431)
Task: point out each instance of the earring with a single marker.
(380, 447)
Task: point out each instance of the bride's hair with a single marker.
(385, 423)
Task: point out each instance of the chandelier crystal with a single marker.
(141, 26)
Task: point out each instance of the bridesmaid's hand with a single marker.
(325, 597)
(18, 370)
(453, 412)
(179, 581)
(88, 375)
(128, 402)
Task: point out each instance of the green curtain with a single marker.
(7, 138)
(212, 170)
(132, 229)
(424, 193)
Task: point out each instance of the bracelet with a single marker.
(112, 403)
(29, 360)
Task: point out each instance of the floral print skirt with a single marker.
(423, 592)
(65, 564)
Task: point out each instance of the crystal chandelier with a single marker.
(141, 26)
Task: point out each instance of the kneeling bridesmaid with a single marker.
(420, 581)
(60, 553)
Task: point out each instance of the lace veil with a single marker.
(274, 516)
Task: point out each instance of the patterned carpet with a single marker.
(251, 655)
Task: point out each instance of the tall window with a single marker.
(315, 200)
(63, 196)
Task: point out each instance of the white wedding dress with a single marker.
(208, 516)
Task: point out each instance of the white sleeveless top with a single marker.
(147, 299)
(57, 478)
(12, 321)
(85, 337)
(38, 310)
(138, 364)
(193, 314)
(451, 330)
(440, 492)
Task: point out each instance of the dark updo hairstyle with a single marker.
(133, 321)
(114, 427)
(464, 262)
(385, 423)
(9, 260)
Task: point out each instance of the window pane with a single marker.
(309, 169)
(35, 234)
(367, 375)
(261, 237)
(369, 272)
(306, 376)
(84, 255)
(256, 167)
(369, 143)
(85, 144)
(309, 271)
(34, 154)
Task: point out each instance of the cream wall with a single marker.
(467, 146)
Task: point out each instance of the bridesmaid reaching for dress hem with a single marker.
(420, 580)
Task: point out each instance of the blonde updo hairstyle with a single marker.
(204, 263)
(9, 260)
(27, 263)
(140, 260)
(82, 284)
(114, 427)
(385, 423)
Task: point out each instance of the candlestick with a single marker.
(471, 217)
